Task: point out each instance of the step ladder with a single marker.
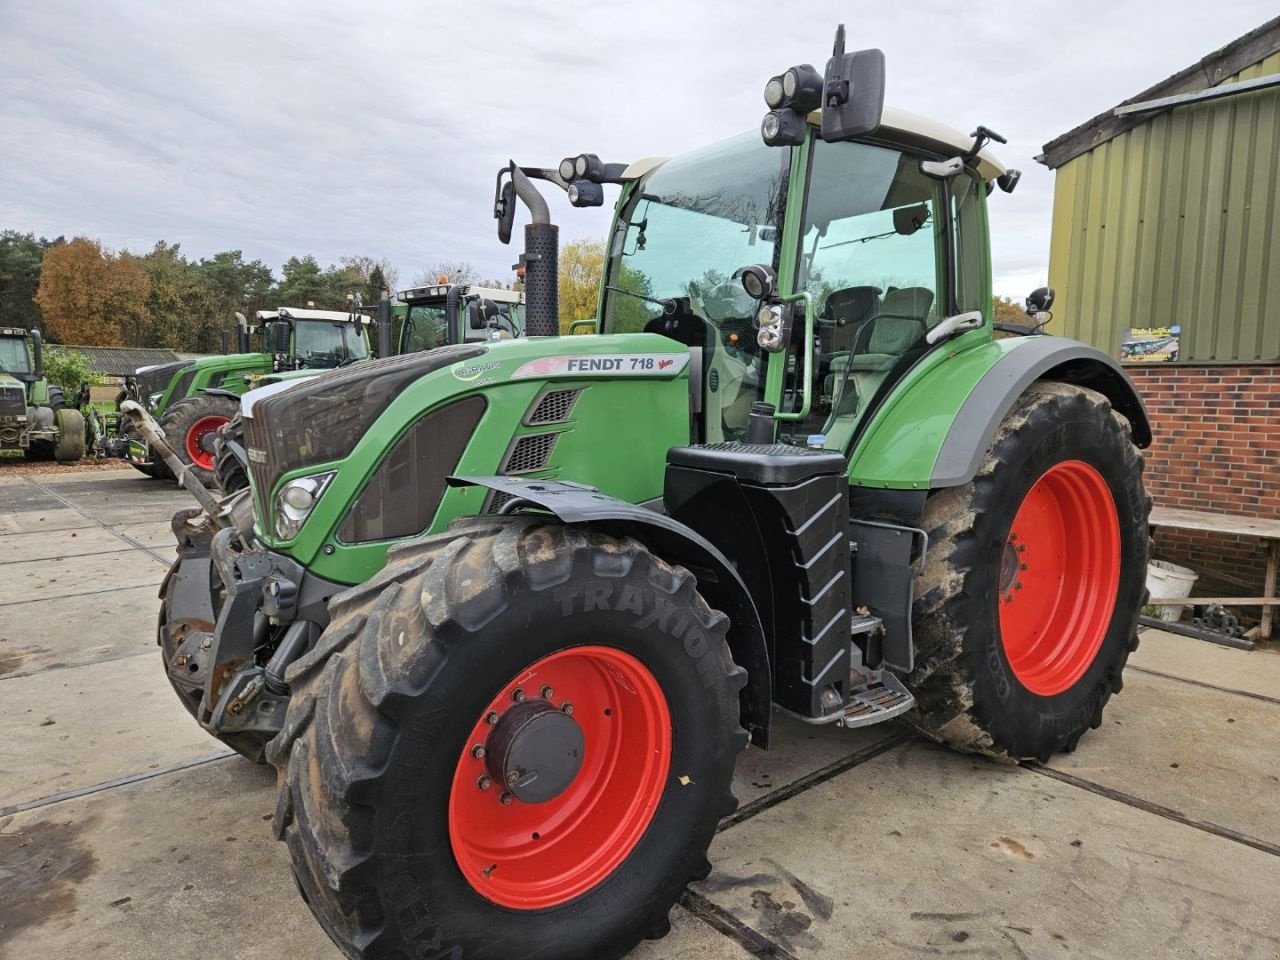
(875, 695)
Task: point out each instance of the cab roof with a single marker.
(895, 125)
(435, 291)
(305, 313)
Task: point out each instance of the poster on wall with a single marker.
(1150, 344)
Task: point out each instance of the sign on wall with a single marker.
(1150, 344)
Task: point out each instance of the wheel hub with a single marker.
(535, 751)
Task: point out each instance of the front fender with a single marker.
(934, 429)
(718, 581)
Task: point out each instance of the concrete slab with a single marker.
(52, 634)
(1255, 671)
(72, 576)
(49, 545)
(69, 729)
(1213, 756)
(30, 522)
(926, 852)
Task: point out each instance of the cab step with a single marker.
(876, 701)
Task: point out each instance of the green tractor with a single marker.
(34, 416)
(427, 317)
(504, 614)
(193, 398)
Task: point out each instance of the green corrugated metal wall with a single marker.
(1177, 221)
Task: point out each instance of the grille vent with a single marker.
(553, 407)
(530, 453)
(497, 500)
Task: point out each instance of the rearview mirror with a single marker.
(853, 92)
(505, 211)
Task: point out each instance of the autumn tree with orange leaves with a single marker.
(93, 296)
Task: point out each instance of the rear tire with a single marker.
(190, 424)
(1021, 638)
(70, 445)
(379, 785)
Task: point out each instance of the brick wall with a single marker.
(1216, 447)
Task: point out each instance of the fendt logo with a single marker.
(612, 365)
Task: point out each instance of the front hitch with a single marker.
(146, 425)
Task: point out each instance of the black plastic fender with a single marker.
(674, 542)
(219, 392)
(1042, 358)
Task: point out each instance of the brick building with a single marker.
(1166, 254)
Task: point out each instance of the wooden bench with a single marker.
(1260, 528)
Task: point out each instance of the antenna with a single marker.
(838, 51)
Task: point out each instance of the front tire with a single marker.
(1027, 609)
(70, 445)
(400, 845)
(191, 424)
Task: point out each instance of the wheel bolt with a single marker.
(1013, 536)
(506, 799)
(1008, 598)
(478, 751)
(491, 719)
(484, 783)
(1018, 585)
(517, 695)
(1022, 548)
(546, 693)
(1023, 566)
(567, 709)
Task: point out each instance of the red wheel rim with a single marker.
(530, 856)
(1058, 577)
(199, 430)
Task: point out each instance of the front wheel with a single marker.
(514, 742)
(191, 426)
(1027, 609)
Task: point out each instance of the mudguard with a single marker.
(934, 427)
(674, 542)
(1039, 358)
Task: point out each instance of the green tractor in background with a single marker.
(425, 317)
(504, 614)
(34, 416)
(192, 399)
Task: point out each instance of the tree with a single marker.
(236, 284)
(301, 281)
(91, 296)
(67, 369)
(371, 276)
(182, 306)
(454, 271)
(20, 257)
(1008, 310)
(581, 263)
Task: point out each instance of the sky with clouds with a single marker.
(286, 127)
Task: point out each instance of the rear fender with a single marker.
(718, 581)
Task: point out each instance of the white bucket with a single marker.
(1168, 581)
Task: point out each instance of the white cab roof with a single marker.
(304, 313)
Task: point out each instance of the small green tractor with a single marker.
(503, 614)
(34, 416)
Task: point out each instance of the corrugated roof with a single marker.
(1254, 47)
(121, 361)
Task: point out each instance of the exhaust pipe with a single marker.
(37, 348)
(242, 333)
(385, 346)
(541, 262)
(226, 342)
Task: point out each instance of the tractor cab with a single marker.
(303, 338)
(19, 369)
(476, 313)
(34, 416)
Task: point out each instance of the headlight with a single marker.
(769, 320)
(153, 399)
(296, 500)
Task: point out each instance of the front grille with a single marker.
(13, 401)
(553, 407)
(183, 385)
(157, 378)
(530, 453)
(256, 448)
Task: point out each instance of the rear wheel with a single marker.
(70, 444)
(515, 741)
(191, 426)
(1027, 609)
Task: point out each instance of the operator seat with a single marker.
(844, 311)
(899, 323)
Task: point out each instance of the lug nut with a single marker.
(517, 694)
(478, 751)
(1018, 585)
(206, 643)
(506, 799)
(1008, 598)
(484, 783)
(546, 693)
(1023, 566)
(491, 719)
(568, 709)
(1022, 548)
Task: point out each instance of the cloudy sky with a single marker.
(376, 127)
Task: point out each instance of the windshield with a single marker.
(321, 344)
(424, 328)
(691, 226)
(13, 355)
